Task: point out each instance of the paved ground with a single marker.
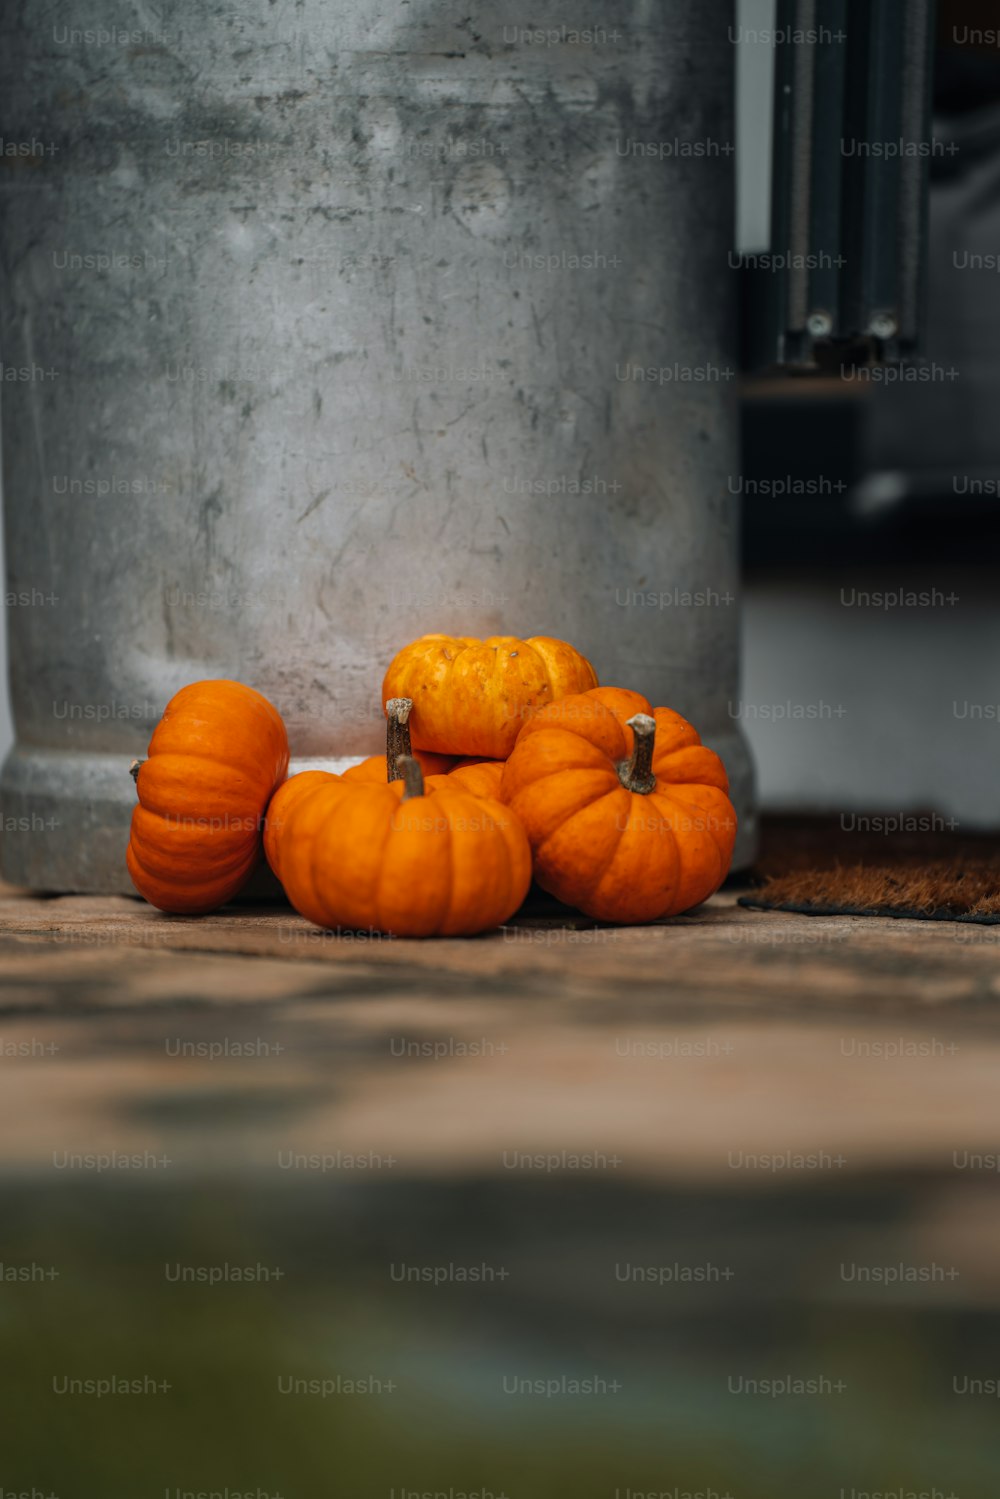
(679, 1048)
(791, 1107)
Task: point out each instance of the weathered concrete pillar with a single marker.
(343, 328)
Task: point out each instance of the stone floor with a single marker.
(678, 1047)
(781, 1105)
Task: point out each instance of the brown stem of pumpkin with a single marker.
(134, 770)
(411, 775)
(636, 773)
(397, 735)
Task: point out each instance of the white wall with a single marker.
(754, 86)
(896, 689)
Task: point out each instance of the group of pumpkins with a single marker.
(505, 761)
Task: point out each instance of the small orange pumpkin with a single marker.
(481, 777)
(471, 697)
(409, 858)
(282, 804)
(626, 810)
(214, 760)
(382, 768)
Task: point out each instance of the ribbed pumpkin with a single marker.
(471, 697)
(626, 810)
(378, 769)
(214, 760)
(481, 777)
(409, 858)
(282, 804)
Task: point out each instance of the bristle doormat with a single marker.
(835, 867)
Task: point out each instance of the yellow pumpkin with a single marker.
(471, 697)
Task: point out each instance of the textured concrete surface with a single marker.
(795, 1109)
(343, 395)
(674, 1047)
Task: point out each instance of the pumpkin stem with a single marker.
(411, 775)
(636, 773)
(397, 735)
(134, 770)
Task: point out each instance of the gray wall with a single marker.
(845, 707)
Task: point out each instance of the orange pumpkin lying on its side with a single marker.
(214, 760)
